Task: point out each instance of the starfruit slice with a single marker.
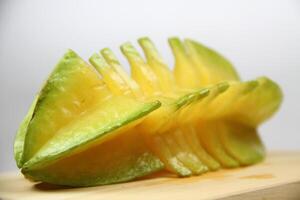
(245, 103)
(93, 126)
(144, 77)
(75, 111)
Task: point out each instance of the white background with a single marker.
(259, 37)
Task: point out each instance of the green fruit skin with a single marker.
(102, 164)
(65, 145)
(21, 133)
(242, 143)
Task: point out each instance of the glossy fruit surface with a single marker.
(93, 124)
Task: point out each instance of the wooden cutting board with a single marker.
(278, 177)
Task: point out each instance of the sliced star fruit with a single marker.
(155, 122)
(75, 111)
(94, 124)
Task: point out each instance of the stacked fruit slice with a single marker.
(94, 124)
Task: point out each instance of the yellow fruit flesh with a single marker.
(227, 100)
(149, 74)
(185, 64)
(159, 146)
(159, 67)
(72, 117)
(112, 114)
(189, 159)
(186, 153)
(233, 104)
(209, 137)
(74, 100)
(153, 121)
(258, 104)
(149, 121)
(211, 66)
(195, 130)
(117, 84)
(114, 63)
(140, 71)
(200, 108)
(194, 142)
(117, 160)
(186, 75)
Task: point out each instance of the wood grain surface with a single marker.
(278, 177)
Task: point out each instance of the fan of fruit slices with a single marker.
(93, 124)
